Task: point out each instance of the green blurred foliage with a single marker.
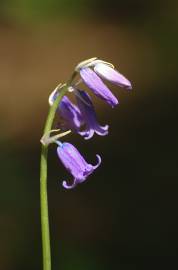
(30, 10)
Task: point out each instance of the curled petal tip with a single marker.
(98, 163)
(103, 133)
(106, 127)
(89, 134)
(66, 186)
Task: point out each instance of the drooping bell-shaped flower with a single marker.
(89, 115)
(110, 74)
(80, 119)
(75, 164)
(92, 69)
(93, 81)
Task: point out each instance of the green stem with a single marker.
(43, 184)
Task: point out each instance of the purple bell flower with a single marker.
(94, 82)
(75, 164)
(89, 115)
(80, 119)
(105, 70)
(110, 74)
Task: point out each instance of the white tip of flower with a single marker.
(91, 63)
(71, 89)
(53, 95)
(85, 63)
(98, 61)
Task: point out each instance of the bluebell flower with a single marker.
(106, 71)
(81, 119)
(75, 164)
(89, 115)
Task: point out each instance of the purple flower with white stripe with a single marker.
(75, 164)
(89, 115)
(106, 71)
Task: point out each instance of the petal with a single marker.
(84, 133)
(70, 113)
(112, 75)
(65, 185)
(99, 130)
(89, 115)
(71, 159)
(97, 86)
(102, 131)
(99, 162)
(89, 134)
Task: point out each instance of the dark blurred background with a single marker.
(125, 215)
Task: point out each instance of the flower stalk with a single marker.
(43, 182)
(81, 119)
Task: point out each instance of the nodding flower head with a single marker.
(80, 119)
(106, 71)
(75, 164)
(89, 115)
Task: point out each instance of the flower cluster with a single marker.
(81, 117)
